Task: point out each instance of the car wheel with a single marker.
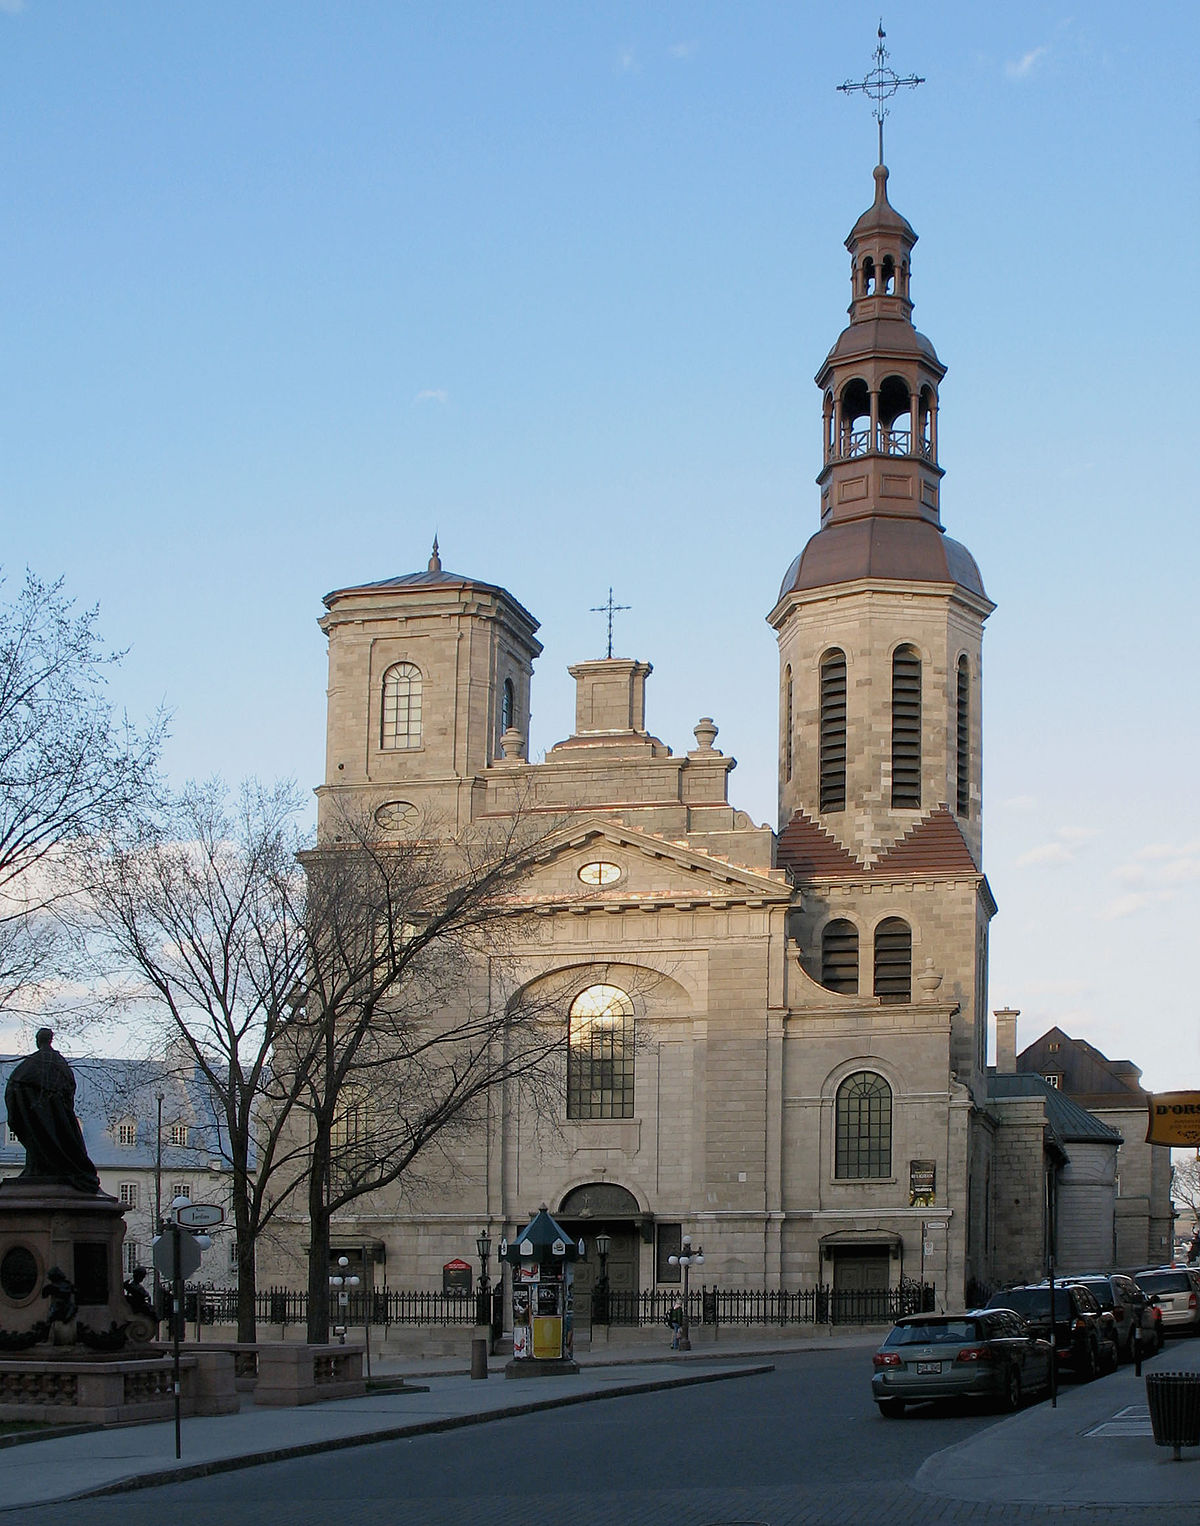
(1089, 1364)
(1012, 1391)
(891, 1409)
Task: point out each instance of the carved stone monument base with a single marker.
(43, 1225)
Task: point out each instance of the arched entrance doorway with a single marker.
(603, 1208)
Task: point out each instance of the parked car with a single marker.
(1130, 1308)
(1177, 1289)
(978, 1354)
(1084, 1338)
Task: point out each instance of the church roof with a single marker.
(1067, 1121)
(434, 576)
(878, 546)
(933, 845)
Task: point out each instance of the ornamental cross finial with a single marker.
(881, 84)
(609, 609)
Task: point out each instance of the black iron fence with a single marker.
(721, 1306)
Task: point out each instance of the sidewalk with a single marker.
(1095, 1448)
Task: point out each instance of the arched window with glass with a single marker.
(863, 1127)
(400, 725)
(508, 706)
(600, 1054)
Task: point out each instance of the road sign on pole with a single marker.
(200, 1216)
(167, 1247)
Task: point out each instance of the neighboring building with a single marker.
(1112, 1092)
(116, 1102)
(777, 1043)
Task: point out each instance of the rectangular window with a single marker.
(667, 1243)
(131, 1253)
(179, 1135)
(181, 1189)
(128, 1193)
(127, 1133)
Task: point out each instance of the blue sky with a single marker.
(288, 287)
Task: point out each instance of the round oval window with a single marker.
(600, 874)
(18, 1273)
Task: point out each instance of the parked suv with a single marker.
(1129, 1307)
(1084, 1339)
(1177, 1289)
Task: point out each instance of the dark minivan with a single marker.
(1083, 1339)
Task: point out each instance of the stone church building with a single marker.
(777, 1040)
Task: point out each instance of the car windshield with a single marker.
(933, 1332)
(1165, 1282)
(1032, 1303)
(1100, 1289)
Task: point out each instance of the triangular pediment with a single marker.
(600, 862)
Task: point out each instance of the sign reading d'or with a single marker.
(1174, 1118)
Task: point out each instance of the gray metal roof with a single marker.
(1067, 1120)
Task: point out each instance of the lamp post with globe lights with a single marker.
(341, 1282)
(483, 1310)
(687, 1258)
(600, 1298)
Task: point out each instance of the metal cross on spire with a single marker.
(881, 84)
(609, 609)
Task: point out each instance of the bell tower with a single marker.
(880, 618)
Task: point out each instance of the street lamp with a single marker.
(483, 1249)
(160, 1098)
(600, 1301)
(687, 1258)
(340, 1283)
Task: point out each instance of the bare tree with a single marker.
(69, 767)
(1185, 1183)
(201, 907)
(407, 1027)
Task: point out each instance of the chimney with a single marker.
(1006, 1040)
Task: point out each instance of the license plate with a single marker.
(923, 1367)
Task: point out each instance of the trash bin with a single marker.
(1174, 1400)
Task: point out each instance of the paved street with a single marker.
(795, 1447)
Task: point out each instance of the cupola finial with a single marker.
(435, 561)
(881, 83)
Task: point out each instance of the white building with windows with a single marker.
(153, 1135)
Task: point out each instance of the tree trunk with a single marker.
(247, 1283)
(318, 1247)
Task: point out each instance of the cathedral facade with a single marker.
(776, 1040)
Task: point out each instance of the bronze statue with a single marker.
(40, 1102)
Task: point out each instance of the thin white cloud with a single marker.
(1126, 905)
(627, 62)
(1046, 853)
(1020, 803)
(683, 49)
(12, 7)
(432, 395)
(1023, 67)
(1062, 849)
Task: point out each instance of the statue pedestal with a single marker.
(42, 1225)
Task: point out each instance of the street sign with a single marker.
(163, 1255)
(200, 1215)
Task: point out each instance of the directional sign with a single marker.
(163, 1255)
(200, 1215)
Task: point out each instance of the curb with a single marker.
(391, 1433)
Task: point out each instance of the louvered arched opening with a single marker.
(833, 732)
(963, 739)
(893, 960)
(787, 721)
(906, 729)
(839, 957)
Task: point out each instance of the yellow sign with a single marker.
(547, 1338)
(1174, 1118)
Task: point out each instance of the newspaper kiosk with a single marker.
(541, 1257)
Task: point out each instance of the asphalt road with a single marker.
(802, 1446)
